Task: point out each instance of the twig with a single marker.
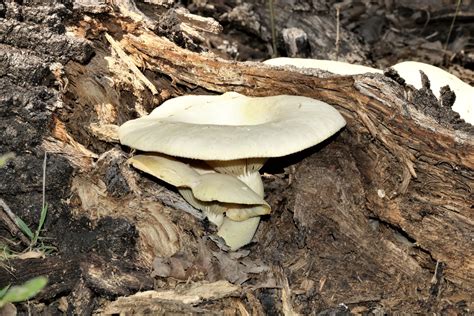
(10, 219)
(282, 280)
(272, 26)
(428, 18)
(338, 27)
(129, 62)
(197, 22)
(458, 5)
(44, 180)
(436, 280)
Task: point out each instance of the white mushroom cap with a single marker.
(336, 67)
(232, 126)
(464, 104)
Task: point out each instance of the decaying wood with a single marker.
(315, 21)
(186, 296)
(130, 64)
(376, 106)
(10, 219)
(78, 276)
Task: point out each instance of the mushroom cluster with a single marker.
(408, 70)
(211, 149)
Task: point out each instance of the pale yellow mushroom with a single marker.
(235, 135)
(213, 193)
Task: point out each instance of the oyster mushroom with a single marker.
(235, 135)
(213, 193)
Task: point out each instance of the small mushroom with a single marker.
(336, 67)
(211, 191)
(235, 135)
(464, 103)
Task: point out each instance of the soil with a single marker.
(348, 233)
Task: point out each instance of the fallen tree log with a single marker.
(410, 147)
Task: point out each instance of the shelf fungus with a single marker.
(234, 135)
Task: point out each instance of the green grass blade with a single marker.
(25, 291)
(44, 212)
(3, 291)
(24, 228)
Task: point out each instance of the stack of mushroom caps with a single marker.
(232, 136)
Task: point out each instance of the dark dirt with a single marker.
(29, 97)
(330, 268)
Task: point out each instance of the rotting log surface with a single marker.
(34, 48)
